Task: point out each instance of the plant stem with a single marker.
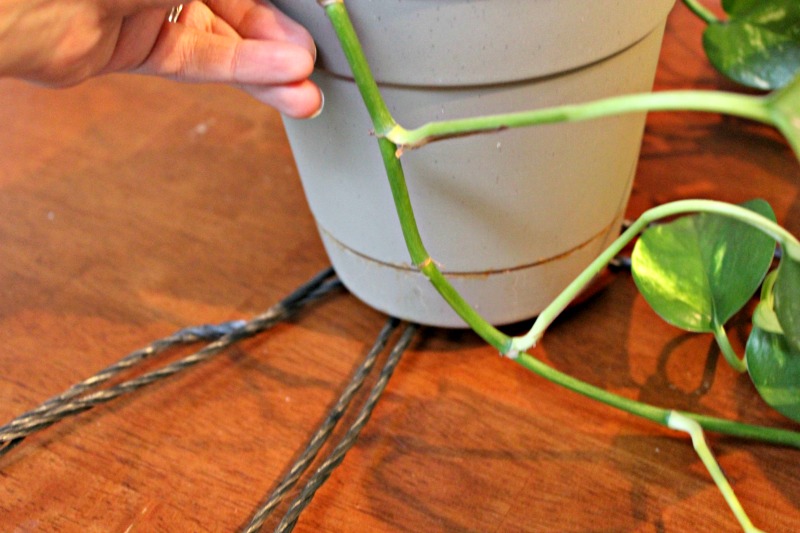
(382, 121)
(680, 422)
(792, 250)
(419, 255)
(657, 414)
(746, 106)
(551, 312)
(727, 350)
(701, 11)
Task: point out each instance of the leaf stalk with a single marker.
(741, 105)
(727, 350)
(679, 422)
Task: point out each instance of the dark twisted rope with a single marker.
(80, 397)
(68, 403)
(337, 455)
(190, 335)
(324, 431)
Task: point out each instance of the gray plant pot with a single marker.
(512, 217)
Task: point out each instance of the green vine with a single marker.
(701, 11)
(681, 423)
(750, 107)
(731, 246)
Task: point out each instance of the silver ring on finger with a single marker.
(174, 13)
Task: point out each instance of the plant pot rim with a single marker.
(421, 42)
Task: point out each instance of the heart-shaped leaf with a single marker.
(759, 43)
(698, 271)
(773, 364)
(784, 105)
(786, 293)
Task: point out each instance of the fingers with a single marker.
(299, 100)
(248, 44)
(275, 72)
(188, 54)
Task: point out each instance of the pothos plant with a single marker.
(696, 270)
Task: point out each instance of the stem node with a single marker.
(425, 264)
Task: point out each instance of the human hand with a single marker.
(246, 43)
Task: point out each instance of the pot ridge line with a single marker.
(481, 85)
(464, 274)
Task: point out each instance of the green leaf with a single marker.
(786, 293)
(759, 44)
(740, 7)
(774, 365)
(699, 270)
(784, 105)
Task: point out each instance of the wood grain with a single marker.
(133, 206)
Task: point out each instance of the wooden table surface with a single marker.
(132, 207)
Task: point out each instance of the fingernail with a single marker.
(315, 54)
(321, 105)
